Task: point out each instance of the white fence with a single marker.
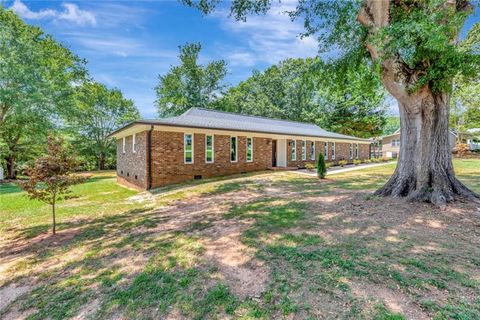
(474, 146)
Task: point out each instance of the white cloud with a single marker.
(71, 13)
(271, 37)
(23, 11)
(105, 43)
(74, 14)
(241, 59)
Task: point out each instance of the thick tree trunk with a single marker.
(11, 174)
(424, 171)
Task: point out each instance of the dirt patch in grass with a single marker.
(246, 276)
(10, 293)
(278, 245)
(393, 299)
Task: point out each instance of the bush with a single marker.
(343, 163)
(328, 164)
(310, 166)
(461, 149)
(367, 161)
(357, 162)
(321, 166)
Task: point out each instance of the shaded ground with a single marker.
(270, 245)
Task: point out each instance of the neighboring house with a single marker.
(472, 137)
(203, 143)
(391, 144)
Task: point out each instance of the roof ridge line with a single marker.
(252, 116)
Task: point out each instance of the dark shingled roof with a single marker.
(211, 119)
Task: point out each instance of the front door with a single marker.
(274, 153)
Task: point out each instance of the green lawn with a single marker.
(266, 245)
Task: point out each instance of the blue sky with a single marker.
(128, 44)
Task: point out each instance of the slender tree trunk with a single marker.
(425, 171)
(53, 217)
(11, 174)
(101, 161)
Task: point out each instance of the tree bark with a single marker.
(101, 161)
(424, 170)
(11, 174)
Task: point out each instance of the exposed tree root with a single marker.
(445, 189)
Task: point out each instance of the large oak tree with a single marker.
(415, 47)
(36, 85)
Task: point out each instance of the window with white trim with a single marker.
(209, 151)
(294, 150)
(325, 150)
(334, 150)
(351, 150)
(304, 150)
(188, 148)
(233, 149)
(123, 145)
(249, 149)
(312, 150)
(356, 150)
(134, 144)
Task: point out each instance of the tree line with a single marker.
(344, 100)
(347, 99)
(45, 88)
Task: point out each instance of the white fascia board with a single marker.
(249, 134)
(136, 128)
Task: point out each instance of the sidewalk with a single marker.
(338, 169)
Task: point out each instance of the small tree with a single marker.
(321, 167)
(51, 176)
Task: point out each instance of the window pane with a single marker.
(188, 148)
(249, 149)
(233, 148)
(304, 150)
(209, 149)
(312, 150)
(294, 150)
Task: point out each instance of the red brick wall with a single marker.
(168, 159)
(342, 152)
(299, 163)
(364, 151)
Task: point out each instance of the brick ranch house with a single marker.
(203, 143)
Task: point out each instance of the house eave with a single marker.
(145, 125)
